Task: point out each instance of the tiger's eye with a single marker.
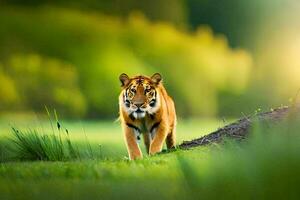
(152, 103)
(133, 90)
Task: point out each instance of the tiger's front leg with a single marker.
(133, 148)
(158, 140)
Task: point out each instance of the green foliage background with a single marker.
(68, 55)
(72, 60)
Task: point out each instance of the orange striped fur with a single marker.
(146, 110)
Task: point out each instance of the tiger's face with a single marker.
(140, 95)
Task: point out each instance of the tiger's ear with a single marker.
(124, 79)
(156, 78)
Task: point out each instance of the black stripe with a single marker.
(129, 86)
(154, 126)
(152, 116)
(124, 98)
(127, 103)
(127, 89)
(134, 127)
(126, 92)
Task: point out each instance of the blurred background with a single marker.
(218, 58)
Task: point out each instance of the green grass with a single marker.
(105, 137)
(266, 166)
(32, 145)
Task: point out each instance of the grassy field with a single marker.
(105, 137)
(265, 167)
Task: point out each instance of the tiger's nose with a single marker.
(138, 104)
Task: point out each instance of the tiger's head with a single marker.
(140, 95)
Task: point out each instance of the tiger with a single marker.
(146, 110)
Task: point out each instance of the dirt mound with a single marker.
(240, 129)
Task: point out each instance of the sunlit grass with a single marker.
(105, 137)
(266, 166)
(32, 145)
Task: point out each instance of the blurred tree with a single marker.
(174, 11)
(196, 66)
(9, 97)
(235, 18)
(42, 82)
